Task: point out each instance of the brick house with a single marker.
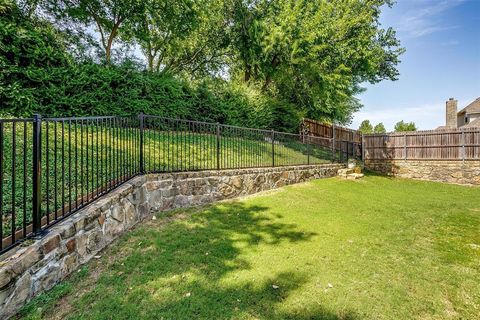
(466, 118)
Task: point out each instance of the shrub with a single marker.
(40, 76)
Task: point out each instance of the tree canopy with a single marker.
(309, 55)
(315, 52)
(379, 128)
(402, 126)
(366, 127)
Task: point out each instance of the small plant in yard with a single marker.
(376, 248)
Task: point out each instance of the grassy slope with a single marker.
(178, 152)
(375, 248)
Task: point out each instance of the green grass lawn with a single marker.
(376, 248)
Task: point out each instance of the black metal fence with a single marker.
(52, 167)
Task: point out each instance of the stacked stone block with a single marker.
(458, 172)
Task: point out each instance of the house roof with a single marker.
(473, 107)
(475, 123)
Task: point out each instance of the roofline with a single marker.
(464, 112)
(465, 109)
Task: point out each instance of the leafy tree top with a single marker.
(402, 126)
(379, 128)
(366, 127)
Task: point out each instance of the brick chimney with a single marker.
(451, 113)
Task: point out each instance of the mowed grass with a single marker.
(377, 248)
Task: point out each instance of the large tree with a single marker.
(314, 52)
(247, 31)
(179, 35)
(106, 16)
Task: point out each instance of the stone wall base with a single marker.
(459, 172)
(29, 270)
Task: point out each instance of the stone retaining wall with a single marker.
(467, 172)
(37, 266)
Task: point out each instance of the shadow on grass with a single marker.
(371, 173)
(194, 267)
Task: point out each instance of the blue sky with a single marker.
(442, 39)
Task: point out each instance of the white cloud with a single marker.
(422, 20)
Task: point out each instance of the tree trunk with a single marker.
(150, 57)
(108, 54)
(268, 79)
(108, 47)
(150, 62)
(248, 73)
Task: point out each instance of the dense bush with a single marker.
(252, 63)
(91, 89)
(39, 76)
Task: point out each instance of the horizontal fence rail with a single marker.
(320, 129)
(347, 141)
(53, 167)
(451, 145)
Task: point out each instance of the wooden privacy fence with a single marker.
(458, 144)
(347, 141)
(319, 129)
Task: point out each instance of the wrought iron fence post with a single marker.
(36, 175)
(348, 149)
(218, 146)
(363, 148)
(141, 118)
(342, 153)
(273, 148)
(308, 150)
(333, 142)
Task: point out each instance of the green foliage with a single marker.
(108, 17)
(40, 76)
(182, 36)
(402, 126)
(90, 89)
(316, 53)
(247, 62)
(379, 128)
(366, 127)
(30, 52)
